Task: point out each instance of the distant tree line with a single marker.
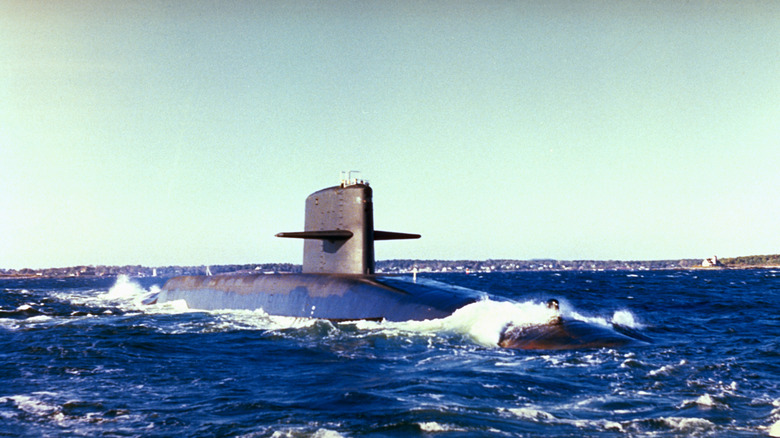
(752, 261)
(146, 271)
(395, 266)
(505, 265)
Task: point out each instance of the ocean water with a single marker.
(84, 357)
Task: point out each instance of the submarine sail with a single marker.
(338, 281)
(339, 230)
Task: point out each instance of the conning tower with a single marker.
(339, 229)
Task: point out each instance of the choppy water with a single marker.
(84, 357)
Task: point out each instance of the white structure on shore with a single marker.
(708, 263)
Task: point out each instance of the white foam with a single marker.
(128, 293)
(666, 369)
(626, 319)
(611, 425)
(620, 317)
(532, 414)
(173, 306)
(774, 429)
(123, 289)
(39, 318)
(483, 321)
(705, 400)
(9, 324)
(432, 427)
(686, 424)
(125, 294)
(300, 432)
(29, 404)
(327, 433)
(260, 320)
(594, 424)
(33, 405)
(595, 320)
(630, 362)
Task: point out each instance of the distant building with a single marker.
(708, 263)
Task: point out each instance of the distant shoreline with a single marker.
(402, 266)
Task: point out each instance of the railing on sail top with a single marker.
(348, 180)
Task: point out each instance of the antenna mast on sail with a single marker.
(348, 180)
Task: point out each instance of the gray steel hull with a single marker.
(325, 296)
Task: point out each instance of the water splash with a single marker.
(482, 322)
(626, 319)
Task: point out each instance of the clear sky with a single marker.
(158, 133)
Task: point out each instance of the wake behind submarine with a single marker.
(338, 282)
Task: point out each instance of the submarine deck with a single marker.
(335, 297)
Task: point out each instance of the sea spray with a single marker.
(626, 319)
(124, 289)
(482, 322)
(622, 317)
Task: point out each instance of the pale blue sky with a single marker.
(190, 133)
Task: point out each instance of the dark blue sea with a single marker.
(84, 357)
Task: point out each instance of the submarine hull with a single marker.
(335, 297)
(359, 297)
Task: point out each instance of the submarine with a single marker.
(338, 281)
